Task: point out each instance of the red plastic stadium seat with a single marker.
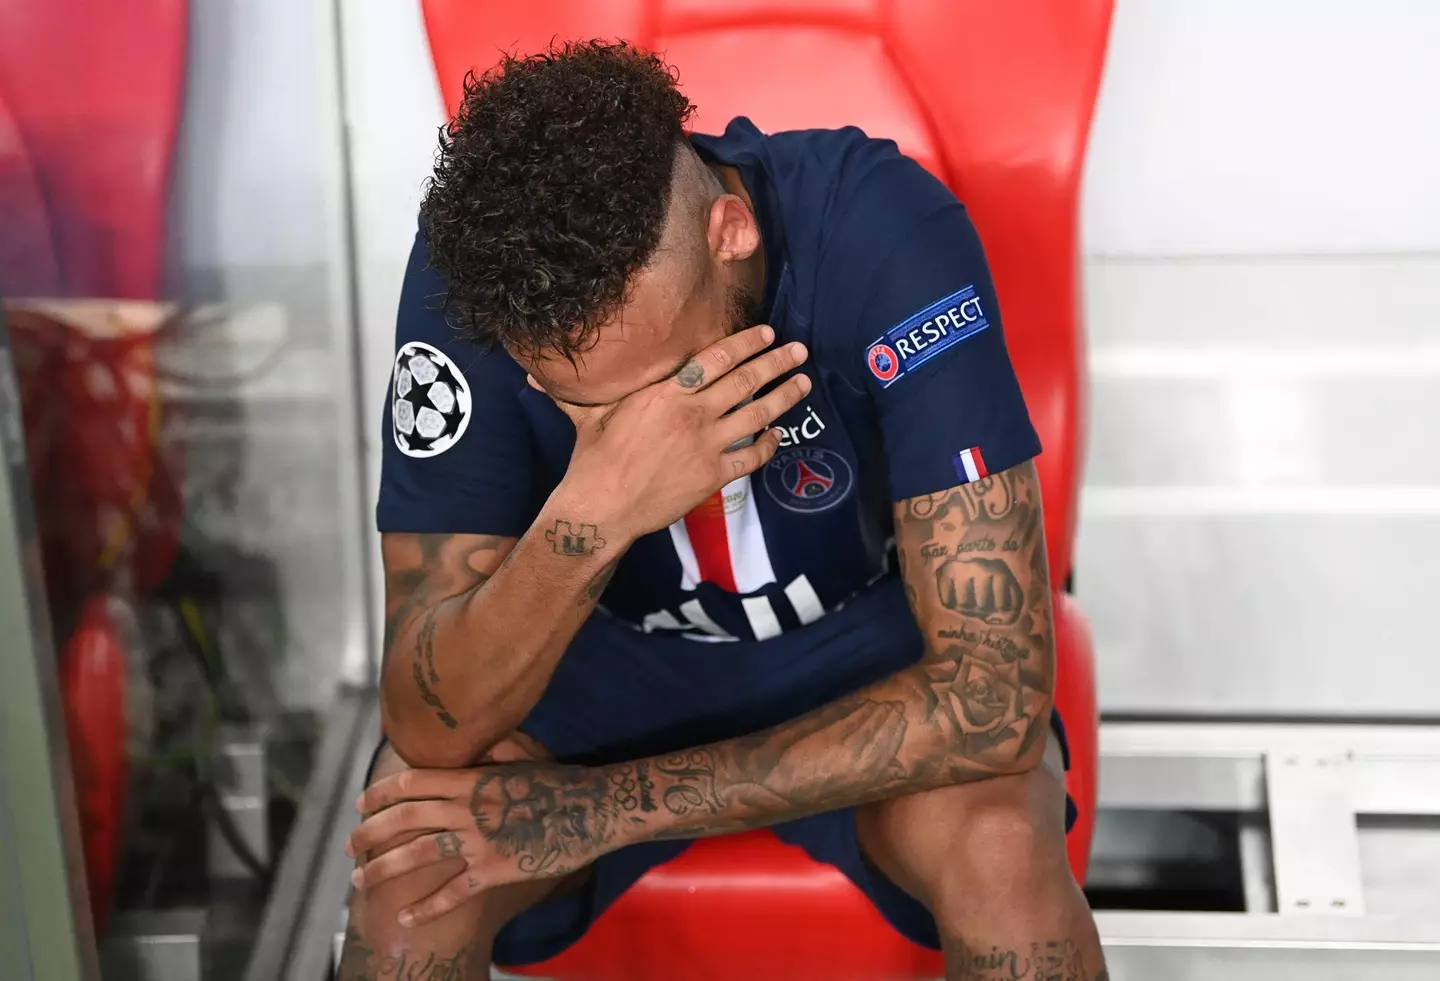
(27, 248)
(995, 99)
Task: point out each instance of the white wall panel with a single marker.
(1257, 126)
(1287, 304)
(1264, 613)
(1262, 504)
(1261, 431)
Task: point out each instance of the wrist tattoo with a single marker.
(567, 538)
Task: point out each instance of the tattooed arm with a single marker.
(977, 705)
(475, 625)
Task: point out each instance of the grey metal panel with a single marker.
(1249, 947)
(167, 945)
(325, 907)
(34, 762)
(294, 891)
(1221, 766)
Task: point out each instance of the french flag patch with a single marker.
(970, 465)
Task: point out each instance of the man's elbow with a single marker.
(427, 743)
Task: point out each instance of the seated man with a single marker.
(707, 504)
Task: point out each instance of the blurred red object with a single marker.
(94, 91)
(28, 262)
(103, 478)
(995, 99)
(93, 684)
(90, 94)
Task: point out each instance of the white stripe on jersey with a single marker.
(804, 599)
(661, 620)
(689, 564)
(749, 556)
(762, 617)
(692, 610)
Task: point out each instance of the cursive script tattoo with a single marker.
(567, 538)
(426, 677)
(647, 787)
(425, 577)
(692, 782)
(690, 375)
(1050, 960)
(428, 696)
(469, 964)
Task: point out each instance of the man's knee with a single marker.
(948, 846)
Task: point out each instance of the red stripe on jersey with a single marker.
(706, 528)
(979, 461)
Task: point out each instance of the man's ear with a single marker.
(733, 233)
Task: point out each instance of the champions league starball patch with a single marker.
(430, 401)
(808, 479)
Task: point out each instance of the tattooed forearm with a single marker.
(987, 615)
(977, 705)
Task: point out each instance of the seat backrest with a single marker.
(94, 88)
(27, 249)
(994, 98)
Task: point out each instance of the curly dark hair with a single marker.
(550, 191)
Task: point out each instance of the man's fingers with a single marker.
(754, 375)
(411, 816)
(720, 357)
(415, 785)
(748, 459)
(423, 851)
(750, 419)
(449, 896)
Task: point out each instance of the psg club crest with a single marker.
(808, 479)
(430, 405)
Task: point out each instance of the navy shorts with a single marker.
(619, 694)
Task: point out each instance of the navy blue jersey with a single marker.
(872, 263)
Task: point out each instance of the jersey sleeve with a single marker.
(926, 342)
(457, 456)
